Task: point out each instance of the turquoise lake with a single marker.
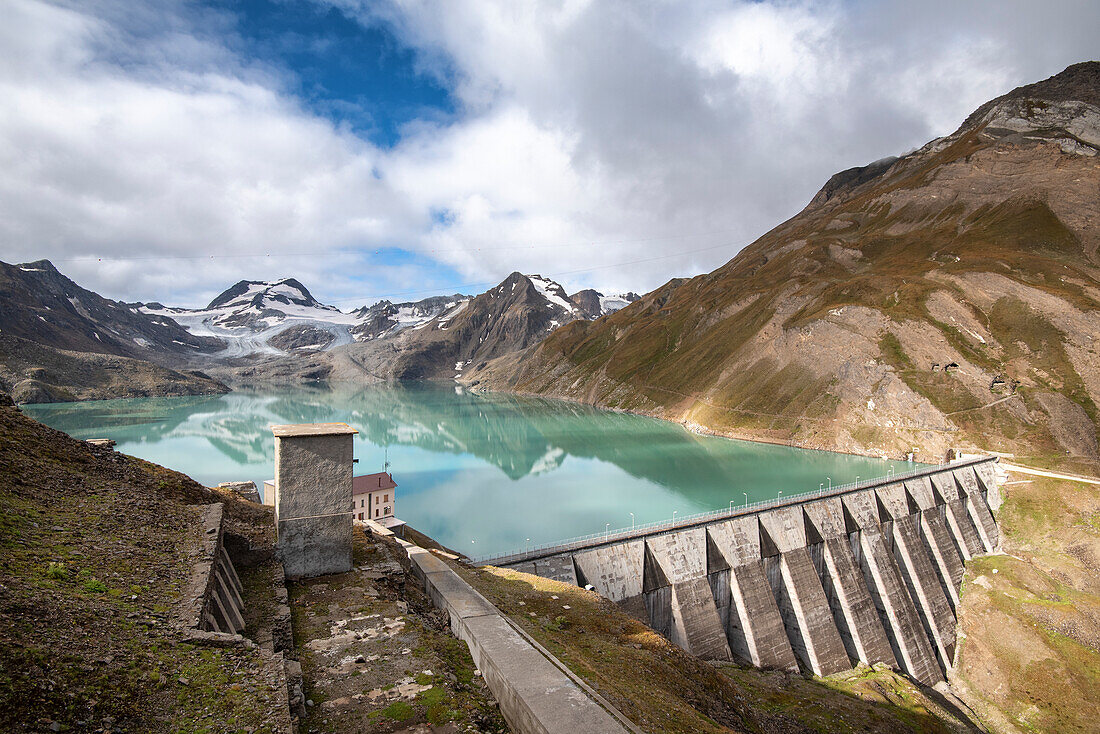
(481, 473)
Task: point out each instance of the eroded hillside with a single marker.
(947, 298)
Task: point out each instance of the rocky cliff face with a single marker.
(59, 341)
(515, 314)
(386, 319)
(39, 304)
(947, 297)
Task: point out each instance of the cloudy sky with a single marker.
(162, 150)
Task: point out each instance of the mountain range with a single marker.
(63, 342)
(439, 338)
(948, 297)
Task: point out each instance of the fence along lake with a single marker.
(484, 474)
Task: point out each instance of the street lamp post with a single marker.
(780, 495)
(830, 482)
(632, 521)
(731, 505)
(526, 543)
(674, 516)
(606, 529)
(746, 498)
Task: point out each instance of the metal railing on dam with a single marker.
(659, 526)
(867, 572)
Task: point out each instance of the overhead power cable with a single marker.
(376, 250)
(459, 288)
(439, 289)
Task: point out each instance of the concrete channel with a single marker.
(536, 692)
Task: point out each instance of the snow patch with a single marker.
(552, 292)
(612, 303)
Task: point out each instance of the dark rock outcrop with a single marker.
(39, 304)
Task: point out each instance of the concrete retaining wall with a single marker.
(537, 695)
(870, 574)
(213, 598)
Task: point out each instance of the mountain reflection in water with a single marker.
(479, 472)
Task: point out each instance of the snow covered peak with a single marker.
(553, 293)
(386, 319)
(287, 291)
(250, 313)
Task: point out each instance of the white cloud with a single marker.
(170, 161)
(590, 134)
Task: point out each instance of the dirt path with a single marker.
(983, 407)
(1053, 475)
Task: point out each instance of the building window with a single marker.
(376, 512)
(360, 515)
(387, 511)
(386, 498)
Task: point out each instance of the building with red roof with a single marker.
(374, 497)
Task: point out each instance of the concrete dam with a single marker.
(867, 573)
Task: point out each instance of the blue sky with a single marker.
(163, 149)
(353, 73)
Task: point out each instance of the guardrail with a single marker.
(596, 539)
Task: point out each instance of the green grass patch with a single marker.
(57, 571)
(893, 353)
(94, 586)
(399, 711)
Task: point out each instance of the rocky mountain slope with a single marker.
(519, 312)
(386, 319)
(59, 342)
(35, 373)
(63, 342)
(944, 298)
(272, 317)
(514, 315)
(39, 304)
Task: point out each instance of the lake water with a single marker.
(481, 473)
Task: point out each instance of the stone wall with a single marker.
(313, 496)
(212, 600)
(866, 575)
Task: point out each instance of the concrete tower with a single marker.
(313, 496)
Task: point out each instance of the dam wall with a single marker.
(866, 573)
